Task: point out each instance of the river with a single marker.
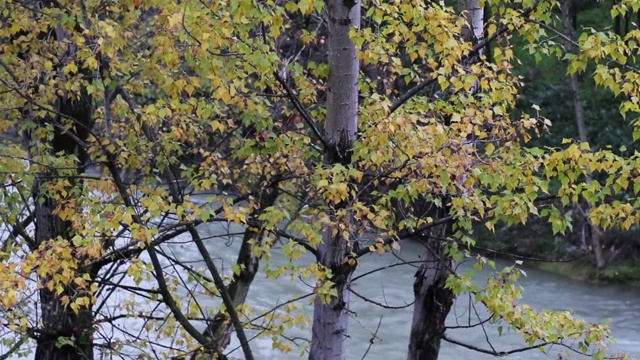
(393, 286)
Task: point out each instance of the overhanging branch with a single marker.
(502, 29)
(301, 109)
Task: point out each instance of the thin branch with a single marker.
(221, 53)
(385, 268)
(473, 52)
(388, 240)
(305, 244)
(197, 239)
(31, 101)
(492, 352)
(14, 348)
(302, 110)
(157, 267)
(281, 305)
(577, 45)
(470, 326)
(366, 299)
(19, 229)
(373, 339)
(406, 234)
(175, 310)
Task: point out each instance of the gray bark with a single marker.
(568, 21)
(341, 124)
(329, 330)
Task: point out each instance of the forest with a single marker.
(159, 160)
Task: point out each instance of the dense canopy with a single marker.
(334, 128)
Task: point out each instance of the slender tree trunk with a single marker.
(221, 328)
(329, 331)
(432, 300)
(568, 16)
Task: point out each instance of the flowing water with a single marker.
(393, 287)
(382, 334)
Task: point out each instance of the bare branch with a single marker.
(301, 109)
(366, 299)
(492, 352)
(373, 339)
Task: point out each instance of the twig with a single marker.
(577, 45)
(373, 339)
(301, 109)
(473, 52)
(492, 352)
(366, 299)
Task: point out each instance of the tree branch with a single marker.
(195, 235)
(493, 352)
(577, 45)
(473, 52)
(301, 109)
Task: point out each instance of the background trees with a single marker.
(128, 110)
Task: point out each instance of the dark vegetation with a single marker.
(545, 84)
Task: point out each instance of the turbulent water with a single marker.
(393, 287)
(382, 334)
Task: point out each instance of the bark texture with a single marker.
(474, 31)
(432, 300)
(329, 331)
(64, 335)
(432, 304)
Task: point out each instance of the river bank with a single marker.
(562, 255)
(623, 272)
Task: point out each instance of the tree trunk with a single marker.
(568, 16)
(432, 303)
(221, 327)
(329, 331)
(432, 300)
(64, 334)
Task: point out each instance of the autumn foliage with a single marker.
(133, 126)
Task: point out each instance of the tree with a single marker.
(433, 299)
(128, 110)
(590, 232)
(330, 318)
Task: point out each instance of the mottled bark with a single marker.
(341, 124)
(329, 331)
(592, 235)
(474, 30)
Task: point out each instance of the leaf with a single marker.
(396, 246)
